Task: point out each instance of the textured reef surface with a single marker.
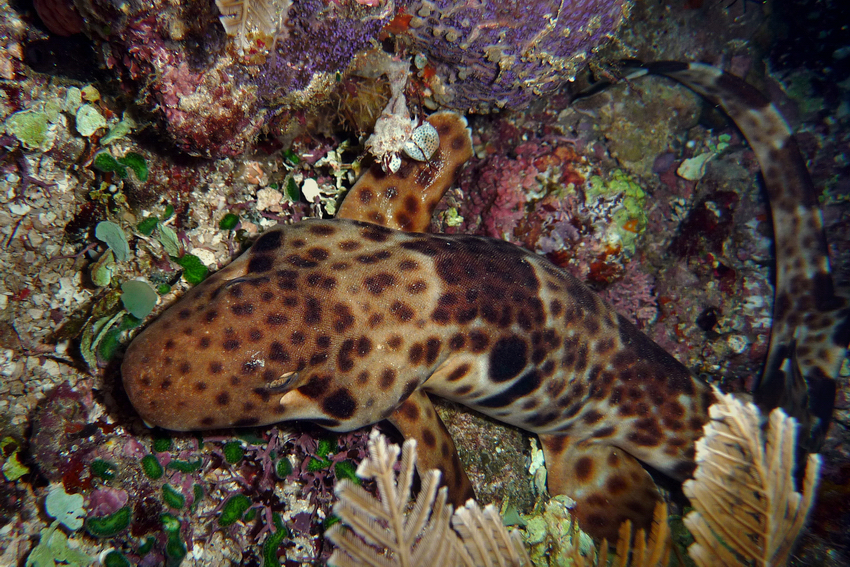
(146, 143)
(213, 96)
(504, 54)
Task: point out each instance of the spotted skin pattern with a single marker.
(340, 322)
(346, 323)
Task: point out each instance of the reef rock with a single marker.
(214, 94)
(491, 54)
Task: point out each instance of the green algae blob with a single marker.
(30, 127)
(193, 269)
(346, 470)
(185, 466)
(161, 444)
(233, 509)
(283, 468)
(115, 559)
(103, 469)
(108, 526)
(151, 467)
(172, 498)
(89, 120)
(233, 452)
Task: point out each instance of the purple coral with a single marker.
(634, 296)
(491, 53)
(213, 102)
(316, 44)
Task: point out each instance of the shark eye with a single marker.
(282, 383)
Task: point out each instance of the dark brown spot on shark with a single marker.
(584, 469)
(340, 404)
(268, 242)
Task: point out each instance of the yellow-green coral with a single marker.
(30, 127)
(629, 217)
(551, 534)
(13, 468)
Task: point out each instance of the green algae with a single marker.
(194, 271)
(68, 509)
(115, 559)
(146, 547)
(114, 237)
(13, 468)
(29, 127)
(185, 466)
(233, 452)
(89, 120)
(346, 470)
(162, 444)
(151, 467)
(233, 510)
(103, 469)
(138, 297)
(175, 549)
(172, 498)
(108, 526)
(53, 548)
(271, 545)
(283, 468)
(228, 221)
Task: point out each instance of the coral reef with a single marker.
(213, 95)
(212, 100)
(491, 54)
(173, 54)
(315, 45)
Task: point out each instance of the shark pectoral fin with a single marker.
(608, 485)
(417, 419)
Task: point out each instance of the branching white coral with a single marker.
(388, 532)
